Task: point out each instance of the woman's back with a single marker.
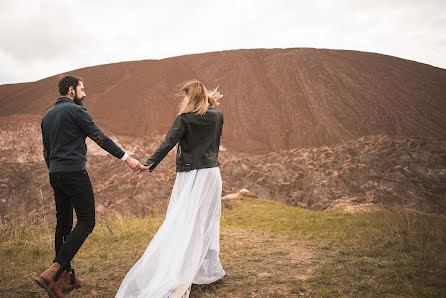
(197, 130)
(199, 146)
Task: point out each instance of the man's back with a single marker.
(63, 137)
(64, 129)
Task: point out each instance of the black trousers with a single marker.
(72, 189)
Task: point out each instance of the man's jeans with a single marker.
(72, 189)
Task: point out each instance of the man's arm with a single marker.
(87, 124)
(46, 150)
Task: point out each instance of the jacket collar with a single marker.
(64, 99)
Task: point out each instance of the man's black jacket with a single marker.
(198, 138)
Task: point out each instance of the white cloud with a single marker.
(43, 38)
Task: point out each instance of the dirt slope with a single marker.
(273, 99)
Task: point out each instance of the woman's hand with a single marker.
(142, 168)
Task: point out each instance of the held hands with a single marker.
(143, 168)
(136, 166)
(133, 164)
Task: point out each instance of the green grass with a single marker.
(376, 253)
(267, 249)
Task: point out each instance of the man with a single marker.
(64, 129)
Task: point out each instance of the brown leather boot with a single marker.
(72, 282)
(52, 280)
(56, 286)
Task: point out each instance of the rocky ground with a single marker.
(370, 171)
(407, 172)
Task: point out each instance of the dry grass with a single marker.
(267, 249)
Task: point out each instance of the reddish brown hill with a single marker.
(341, 128)
(273, 99)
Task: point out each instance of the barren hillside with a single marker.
(273, 99)
(312, 128)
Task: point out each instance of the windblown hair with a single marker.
(197, 98)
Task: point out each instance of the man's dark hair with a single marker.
(66, 82)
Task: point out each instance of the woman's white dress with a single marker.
(186, 247)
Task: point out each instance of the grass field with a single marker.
(267, 249)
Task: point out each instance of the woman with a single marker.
(186, 248)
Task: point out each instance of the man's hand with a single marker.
(133, 164)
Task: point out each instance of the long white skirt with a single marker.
(186, 248)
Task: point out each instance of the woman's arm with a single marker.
(175, 133)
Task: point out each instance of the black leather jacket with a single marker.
(198, 138)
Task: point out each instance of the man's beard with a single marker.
(77, 100)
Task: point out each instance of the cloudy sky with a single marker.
(43, 38)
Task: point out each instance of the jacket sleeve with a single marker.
(89, 127)
(46, 147)
(222, 121)
(175, 133)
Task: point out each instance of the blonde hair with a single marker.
(197, 98)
